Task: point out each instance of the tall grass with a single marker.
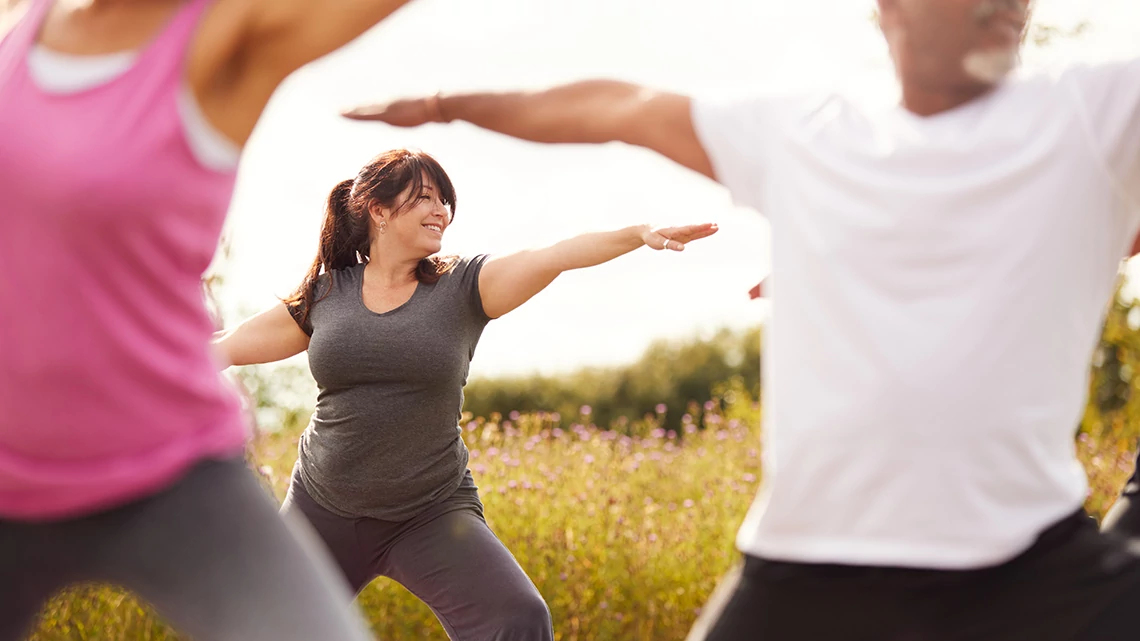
(624, 536)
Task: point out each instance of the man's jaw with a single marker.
(990, 66)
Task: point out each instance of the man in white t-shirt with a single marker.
(940, 272)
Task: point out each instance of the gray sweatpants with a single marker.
(447, 556)
(210, 553)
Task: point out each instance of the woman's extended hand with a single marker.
(675, 238)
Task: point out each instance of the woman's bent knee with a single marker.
(527, 619)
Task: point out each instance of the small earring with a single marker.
(383, 226)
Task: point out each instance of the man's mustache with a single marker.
(987, 10)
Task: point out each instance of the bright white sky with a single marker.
(514, 195)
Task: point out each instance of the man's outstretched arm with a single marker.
(594, 111)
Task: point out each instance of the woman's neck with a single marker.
(391, 272)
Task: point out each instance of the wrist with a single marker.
(435, 108)
(639, 232)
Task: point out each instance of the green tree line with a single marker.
(677, 376)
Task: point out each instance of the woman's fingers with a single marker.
(675, 238)
(689, 233)
(659, 240)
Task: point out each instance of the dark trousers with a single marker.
(1074, 584)
(446, 556)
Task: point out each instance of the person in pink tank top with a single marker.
(120, 447)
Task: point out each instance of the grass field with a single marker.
(624, 536)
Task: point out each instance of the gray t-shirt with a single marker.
(384, 441)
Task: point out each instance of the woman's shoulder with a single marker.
(352, 271)
(461, 264)
(458, 268)
(340, 279)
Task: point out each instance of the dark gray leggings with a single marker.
(447, 557)
(210, 553)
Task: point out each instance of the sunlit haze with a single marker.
(515, 195)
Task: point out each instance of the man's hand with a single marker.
(411, 112)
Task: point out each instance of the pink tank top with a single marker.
(108, 391)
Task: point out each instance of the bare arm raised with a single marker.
(507, 282)
(246, 48)
(594, 111)
(287, 34)
(268, 337)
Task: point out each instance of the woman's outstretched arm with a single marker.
(509, 281)
(270, 336)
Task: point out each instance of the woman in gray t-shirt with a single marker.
(390, 329)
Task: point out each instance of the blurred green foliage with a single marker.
(679, 375)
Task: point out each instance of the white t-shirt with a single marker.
(938, 287)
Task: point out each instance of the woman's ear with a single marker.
(378, 213)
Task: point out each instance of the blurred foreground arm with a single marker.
(286, 34)
(509, 281)
(593, 111)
